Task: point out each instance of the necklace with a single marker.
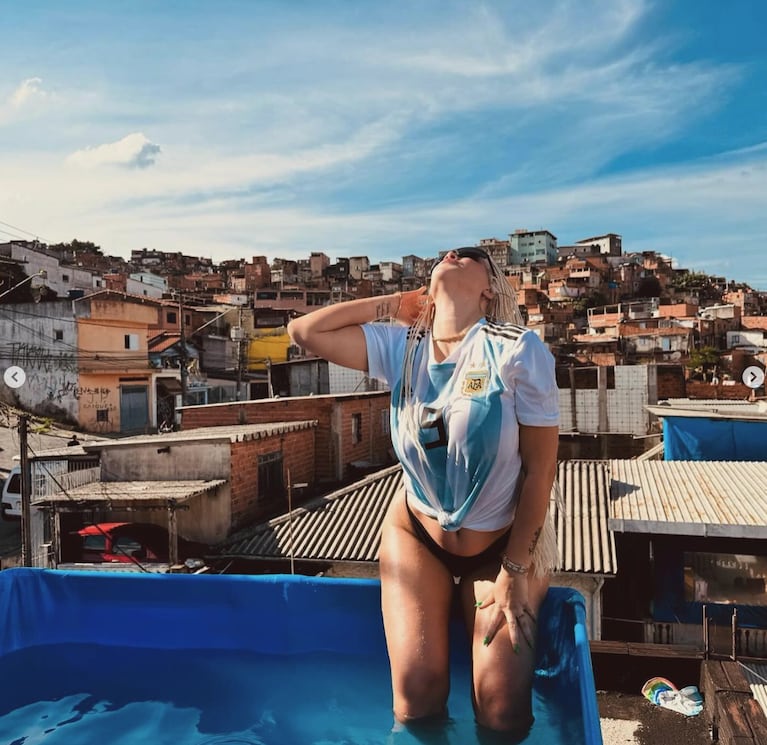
(448, 339)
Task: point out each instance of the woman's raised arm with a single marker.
(334, 332)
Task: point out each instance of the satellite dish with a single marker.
(675, 356)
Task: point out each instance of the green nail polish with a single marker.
(478, 604)
(486, 640)
(516, 649)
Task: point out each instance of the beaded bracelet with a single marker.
(512, 567)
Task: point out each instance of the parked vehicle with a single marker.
(11, 495)
(124, 542)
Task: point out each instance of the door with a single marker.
(134, 409)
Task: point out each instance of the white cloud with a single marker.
(26, 100)
(28, 92)
(132, 151)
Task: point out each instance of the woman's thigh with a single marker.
(502, 678)
(416, 595)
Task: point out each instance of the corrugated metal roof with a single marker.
(740, 410)
(714, 403)
(235, 433)
(132, 491)
(341, 526)
(706, 498)
(346, 525)
(756, 675)
(584, 540)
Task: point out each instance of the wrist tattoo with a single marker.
(534, 542)
(384, 307)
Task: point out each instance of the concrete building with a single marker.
(318, 263)
(358, 265)
(64, 280)
(146, 284)
(87, 360)
(610, 244)
(532, 247)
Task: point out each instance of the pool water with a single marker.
(78, 694)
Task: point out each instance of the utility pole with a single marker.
(182, 345)
(239, 353)
(26, 493)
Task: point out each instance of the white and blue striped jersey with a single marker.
(469, 407)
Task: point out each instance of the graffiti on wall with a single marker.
(33, 357)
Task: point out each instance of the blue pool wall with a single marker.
(282, 614)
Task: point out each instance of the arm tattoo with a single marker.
(534, 542)
(383, 309)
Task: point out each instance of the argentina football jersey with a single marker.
(457, 436)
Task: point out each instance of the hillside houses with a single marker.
(118, 346)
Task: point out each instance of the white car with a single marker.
(11, 499)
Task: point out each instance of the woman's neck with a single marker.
(452, 322)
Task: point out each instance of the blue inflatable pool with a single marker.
(90, 657)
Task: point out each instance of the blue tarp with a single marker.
(700, 438)
(269, 614)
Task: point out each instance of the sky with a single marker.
(230, 129)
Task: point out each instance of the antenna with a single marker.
(290, 523)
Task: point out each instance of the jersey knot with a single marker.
(444, 519)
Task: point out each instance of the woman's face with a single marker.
(469, 265)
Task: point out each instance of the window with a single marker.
(725, 578)
(171, 316)
(102, 415)
(271, 485)
(58, 334)
(95, 543)
(126, 545)
(131, 341)
(356, 428)
(385, 422)
(65, 278)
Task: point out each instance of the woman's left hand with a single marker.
(510, 607)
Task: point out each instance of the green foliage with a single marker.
(703, 358)
(690, 280)
(594, 300)
(77, 247)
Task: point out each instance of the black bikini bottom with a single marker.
(459, 566)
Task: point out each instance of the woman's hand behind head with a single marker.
(411, 305)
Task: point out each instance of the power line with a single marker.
(20, 230)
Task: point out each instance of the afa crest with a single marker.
(474, 383)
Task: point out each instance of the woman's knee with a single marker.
(504, 710)
(420, 694)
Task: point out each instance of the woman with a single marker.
(475, 426)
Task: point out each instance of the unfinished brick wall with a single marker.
(736, 392)
(250, 501)
(671, 382)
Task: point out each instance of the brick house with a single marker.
(352, 434)
(203, 484)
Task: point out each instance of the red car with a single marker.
(118, 542)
